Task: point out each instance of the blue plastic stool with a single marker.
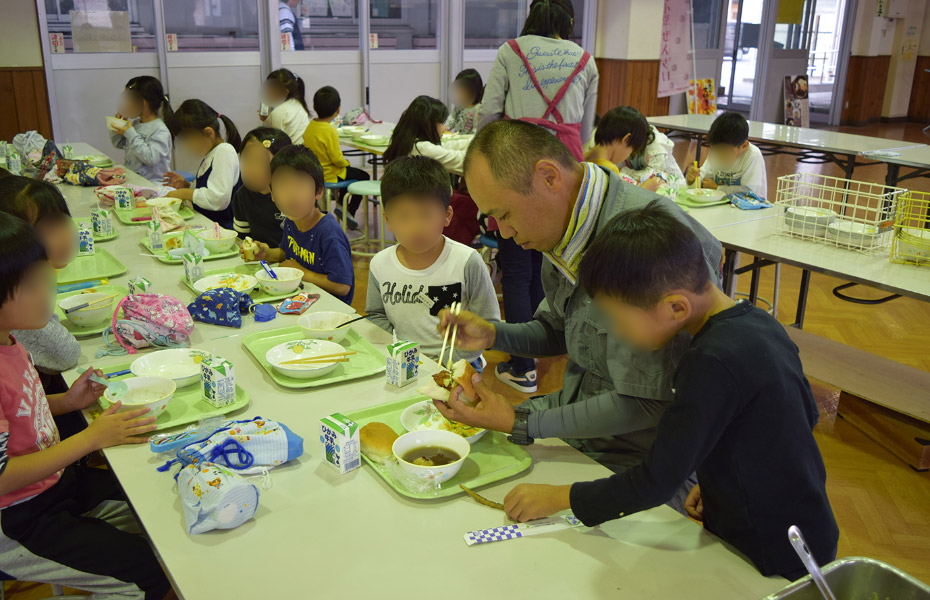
(327, 199)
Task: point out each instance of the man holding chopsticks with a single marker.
(612, 394)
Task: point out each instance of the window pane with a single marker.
(324, 24)
(405, 24)
(203, 25)
(490, 23)
(707, 15)
(103, 25)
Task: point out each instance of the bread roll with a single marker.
(377, 441)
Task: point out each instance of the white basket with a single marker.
(840, 212)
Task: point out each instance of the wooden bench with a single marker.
(886, 400)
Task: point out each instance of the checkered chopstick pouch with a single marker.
(510, 532)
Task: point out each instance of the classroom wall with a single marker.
(395, 84)
(19, 35)
(919, 103)
(23, 90)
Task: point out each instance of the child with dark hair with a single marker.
(466, 93)
(145, 138)
(321, 137)
(60, 523)
(733, 164)
(41, 204)
(419, 133)
(628, 145)
(284, 92)
(312, 241)
(745, 430)
(411, 281)
(196, 127)
(254, 212)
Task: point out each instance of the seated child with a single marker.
(411, 281)
(197, 129)
(627, 144)
(59, 523)
(145, 138)
(466, 93)
(321, 137)
(419, 133)
(254, 212)
(312, 241)
(283, 92)
(52, 347)
(733, 164)
(746, 430)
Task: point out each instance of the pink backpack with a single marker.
(151, 320)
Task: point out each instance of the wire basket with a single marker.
(840, 212)
(910, 244)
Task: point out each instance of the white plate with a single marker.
(423, 415)
(181, 365)
(704, 195)
(303, 349)
(236, 281)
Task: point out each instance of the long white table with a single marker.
(815, 145)
(317, 532)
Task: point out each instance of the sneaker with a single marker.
(351, 223)
(523, 382)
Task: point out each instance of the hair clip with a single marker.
(266, 143)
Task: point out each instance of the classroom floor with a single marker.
(882, 506)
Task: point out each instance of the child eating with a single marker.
(410, 282)
(49, 531)
(254, 212)
(146, 141)
(312, 241)
(745, 430)
(733, 163)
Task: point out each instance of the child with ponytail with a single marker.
(283, 91)
(197, 127)
(145, 137)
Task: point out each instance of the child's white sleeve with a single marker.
(217, 194)
(151, 151)
(451, 159)
(374, 305)
(116, 139)
(492, 102)
(479, 296)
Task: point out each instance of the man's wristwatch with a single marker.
(520, 434)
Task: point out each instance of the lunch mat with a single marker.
(78, 331)
(258, 295)
(683, 200)
(100, 265)
(126, 216)
(491, 459)
(165, 258)
(187, 405)
(367, 361)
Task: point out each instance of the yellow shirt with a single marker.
(322, 138)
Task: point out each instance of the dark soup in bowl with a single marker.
(430, 456)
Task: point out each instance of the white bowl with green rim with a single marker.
(181, 365)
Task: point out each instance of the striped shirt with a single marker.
(567, 254)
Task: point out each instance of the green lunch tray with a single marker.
(78, 331)
(126, 216)
(165, 258)
(100, 265)
(367, 361)
(105, 238)
(492, 458)
(187, 405)
(685, 201)
(258, 295)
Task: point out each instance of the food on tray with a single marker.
(89, 291)
(249, 248)
(173, 243)
(443, 382)
(430, 456)
(377, 441)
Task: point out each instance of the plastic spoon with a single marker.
(116, 388)
(800, 546)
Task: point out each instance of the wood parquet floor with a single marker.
(882, 505)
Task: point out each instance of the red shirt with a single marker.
(26, 423)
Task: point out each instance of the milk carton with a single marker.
(403, 362)
(102, 222)
(85, 239)
(123, 198)
(156, 241)
(193, 267)
(339, 441)
(140, 285)
(67, 151)
(218, 380)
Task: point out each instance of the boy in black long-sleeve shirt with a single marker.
(742, 414)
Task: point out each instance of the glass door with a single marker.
(741, 52)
